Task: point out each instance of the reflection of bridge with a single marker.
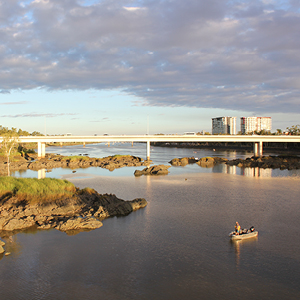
(257, 140)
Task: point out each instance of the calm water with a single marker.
(175, 248)
(159, 155)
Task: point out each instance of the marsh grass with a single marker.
(35, 190)
(75, 158)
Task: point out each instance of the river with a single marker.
(175, 248)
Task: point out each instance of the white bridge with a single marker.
(257, 140)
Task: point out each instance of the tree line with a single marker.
(20, 132)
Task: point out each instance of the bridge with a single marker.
(257, 140)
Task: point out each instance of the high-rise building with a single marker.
(224, 125)
(251, 124)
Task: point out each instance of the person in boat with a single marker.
(237, 228)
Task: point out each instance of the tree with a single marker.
(9, 145)
(294, 130)
(278, 132)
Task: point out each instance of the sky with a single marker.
(90, 67)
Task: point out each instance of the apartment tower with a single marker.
(251, 124)
(224, 125)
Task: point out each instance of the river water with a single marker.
(175, 248)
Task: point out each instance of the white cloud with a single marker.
(166, 53)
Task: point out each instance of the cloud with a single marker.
(167, 53)
(37, 115)
(4, 92)
(14, 103)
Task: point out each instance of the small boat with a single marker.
(244, 234)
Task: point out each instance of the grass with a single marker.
(36, 190)
(75, 158)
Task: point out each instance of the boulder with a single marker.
(154, 170)
(183, 161)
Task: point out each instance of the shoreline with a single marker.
(211, 146)
(53, 161)
(57, 204)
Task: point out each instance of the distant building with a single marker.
(224, 125)
(251, 124)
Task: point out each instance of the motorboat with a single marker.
(243, 234)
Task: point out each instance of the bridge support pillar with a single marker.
(148, 150)
(258, 148)
(41, 150)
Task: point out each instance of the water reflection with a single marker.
(159, 155)
(12, 246)
(129, 171)
(248, 172)
(41, 173)
(238, 247)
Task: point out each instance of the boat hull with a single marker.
(244, 236)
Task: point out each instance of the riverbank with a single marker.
(52, 203)
(287, 148)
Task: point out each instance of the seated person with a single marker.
(237, 228)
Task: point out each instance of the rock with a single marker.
(17, 224)
(183, 161)
(52, 161)
(274, 162)
(154, 170)
(138, 203)
(79, 223)
(81, 211)
(209, 162)
(1, 250)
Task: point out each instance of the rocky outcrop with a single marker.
(83, 211)
(203, 162)
(182, 161)
(154, 170)
(52, 161)
(274, 162)
(208, 162)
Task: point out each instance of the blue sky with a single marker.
(109, 66)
